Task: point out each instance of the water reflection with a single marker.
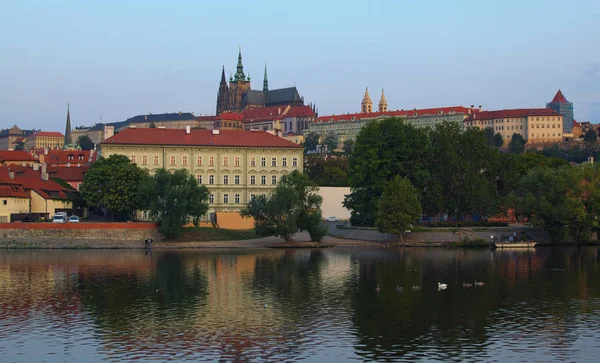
(313, 305)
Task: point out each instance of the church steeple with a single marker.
(239, 74)
(265, 81)
(383, 107)
(223, 79)
(68, 138)
(223, 94)
(366, 105)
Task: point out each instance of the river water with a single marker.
(300, 305)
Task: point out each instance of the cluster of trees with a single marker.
(327, 172)
(452, 171)
(294, 205)
(123, 188)
(330, 140)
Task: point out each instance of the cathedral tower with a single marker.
(223, 94)
(366, 106)
(68, 138)
(265, 81)
(238, 87)
(383, 107)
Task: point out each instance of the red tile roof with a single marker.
(31, 179)
(264, 113)
(513, 113)
(16, 155)
(300, 111)
(48, 134)
(62, 156)
(237, 138)
(69, 174)
(230, 116)
(13, 191)
(559, 98)
(400, 113)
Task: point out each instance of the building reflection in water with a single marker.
(283, 304)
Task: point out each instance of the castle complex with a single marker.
(238, 96)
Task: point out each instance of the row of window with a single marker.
(544, 135)
(226, 199)
(211, 161)
(537, 126)
(236, 179)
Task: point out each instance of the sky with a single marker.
(116, 59)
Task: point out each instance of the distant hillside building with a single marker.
(10, 137)
(565, 108)
(43, 139)
(238, 96)
(179, 120)
(97, 133)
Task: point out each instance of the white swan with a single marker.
(377, 289)
(415, 287)
(466, 284)
(399, 288)
(478, 283)
(442, 286)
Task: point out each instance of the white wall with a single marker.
(332, 202)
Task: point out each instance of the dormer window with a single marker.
(70, 157)
(80, 157)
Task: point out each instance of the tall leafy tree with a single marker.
(517, 144)
(488, 132)
(348, 146)
(310, 142)
(398, 208)
(85, 142)
(498, 140)
(331, 141)
(173, 199)
(383, 150)
(275, 215)
(309, 204)
(322, 171)
(113, 183)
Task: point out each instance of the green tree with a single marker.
(275, 215)
(590, 136)
(152, 125)
(20, 145)
(173, 199)
(517, 144)
(113, 183)
(310, 142)
(348, 146)
(85, 142)
(398, 208)
(383, 150)
(331, 172)
(498, 140)
(489, 135)
(309, 216)
(331, 141)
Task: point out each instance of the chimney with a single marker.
(79, 165)
(188, 130)
(472, 106)
(68, 165)
(479, 108)
(44, 176)
(46, 150)
(279, 111)
(11, 174)
(36, 167)
(44, 168)
(215, 132)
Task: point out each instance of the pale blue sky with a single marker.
(123, 58)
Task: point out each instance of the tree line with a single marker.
(398, 173)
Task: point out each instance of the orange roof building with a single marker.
(16, 157)
(49, 139)
(235, 165)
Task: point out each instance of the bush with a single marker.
(451, 224)
(475, 243)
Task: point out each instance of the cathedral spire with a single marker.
(239, 75)
(265, 81)
(366, 105)
(383, 106)
(68, 139)
(223, 79)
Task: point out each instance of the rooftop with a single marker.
(400, 113)
(16, 155)
(48, 134)
(178, 137)
(559, 98)
(512, 113)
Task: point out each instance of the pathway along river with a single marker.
(300, 305)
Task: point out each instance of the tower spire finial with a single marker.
(383, 106)
(239, 74)
(265, 80)
(68, 139)
(366, 106)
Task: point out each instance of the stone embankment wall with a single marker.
(79, 231)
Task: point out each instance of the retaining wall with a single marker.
(92, 231)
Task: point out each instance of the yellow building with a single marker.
(235, 165)
(535, 125)
(16, 157)
(45, 139)
(96, 133)
(13, 199)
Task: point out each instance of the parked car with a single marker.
(332, 219)
(58, 218)
(73, 219)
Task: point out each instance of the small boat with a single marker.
(505, 245)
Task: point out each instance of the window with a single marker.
(263, 180)
(199, 160)
(274, 179)
(295, 162)
(237, 199)
(145, 160)
(184, 160)
(4, 202)
(225, 160)
(253, 161)
(273, 161)
(236, 179)
(211, 161)
(237, 161)
(172, 160)
(225, 198)
(199, 178)
(80, 157)
(252, 179)
(211, 179)
(211, 199)
(133, 159)
(263, 161)
(70, 157)
(155, 159)
(225, 179)
(284, 162)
